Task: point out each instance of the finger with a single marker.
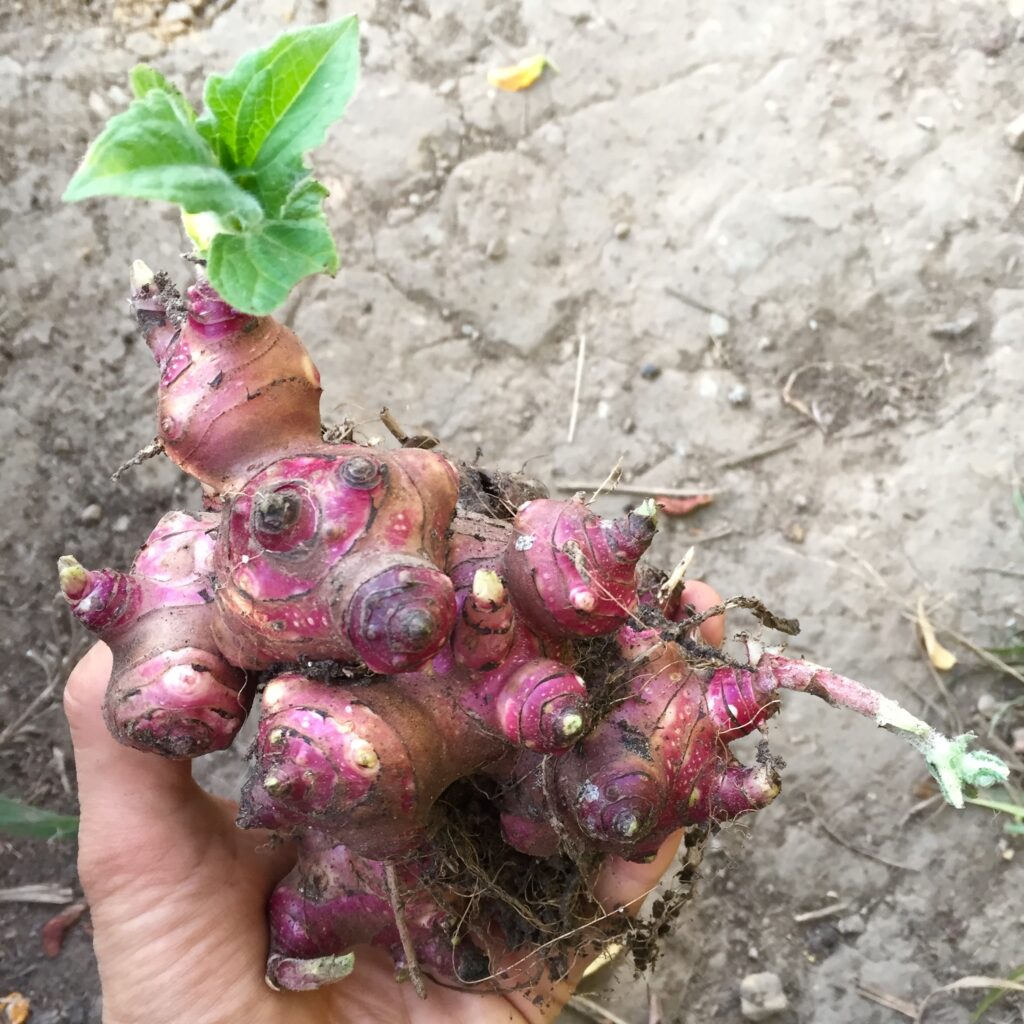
(700, 596)
(117, 786)
(621, 888)
(625, 884)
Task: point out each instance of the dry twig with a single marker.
(594, 1011)
(577, 387)
(822, 912)
(890, 1002)
(771, 448)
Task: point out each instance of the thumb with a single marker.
(122, 792)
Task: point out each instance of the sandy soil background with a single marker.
(722, 197)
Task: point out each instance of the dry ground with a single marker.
(732, 192)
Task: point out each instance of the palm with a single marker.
(201, 915)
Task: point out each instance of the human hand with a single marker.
(178, 896)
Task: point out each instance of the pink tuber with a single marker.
(411, 634)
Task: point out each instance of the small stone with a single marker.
(1017, 738)
(739, 394)
(765, 344)
(925, 123)
(718, 325)
(91, 515)
(650, 371)
(1014, 133)
(622, 229)
(752, 952)
(61, 446)
(469, 331)
(142, 44)
(447, 87)
(98, 105)
(178, 10)
(121, 524)
(496, 249)
(415, 199)
(958, 327)
(986, 704)
(628, 425)
(801, 503)
(795, 533)
(852, 924)
(761, 996)
(889, 415)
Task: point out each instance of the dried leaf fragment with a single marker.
(55, 930)
(682, 506)
(517, 77)
(942, 659)
(607, 956)
(15, 1008)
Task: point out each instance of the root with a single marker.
(412, 964)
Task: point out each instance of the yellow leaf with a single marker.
(519, 76)
(607, 956)
(942, 659)
(15, 1007)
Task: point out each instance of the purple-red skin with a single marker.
(572, 573)
(171, 691)
(338, 554)
(542, 706)
(235, 390)
(335, 901)
(414, 741)
(426, 729)
(352, 555)
(658, 761)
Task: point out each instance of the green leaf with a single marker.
(145, 79)
(33, 822)
(277, 103)
(304, 200)
(153, 151)
(1011, 655)
(1018, 501)
(254, 271)
(238, 171)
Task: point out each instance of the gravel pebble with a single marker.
(718, 325)
(1014, 133)
(91, 515)
(1018, 740)
(958, 327)
(739, 394)
(177, 11)
(650, 371)
(761, 996)
(852, 924)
